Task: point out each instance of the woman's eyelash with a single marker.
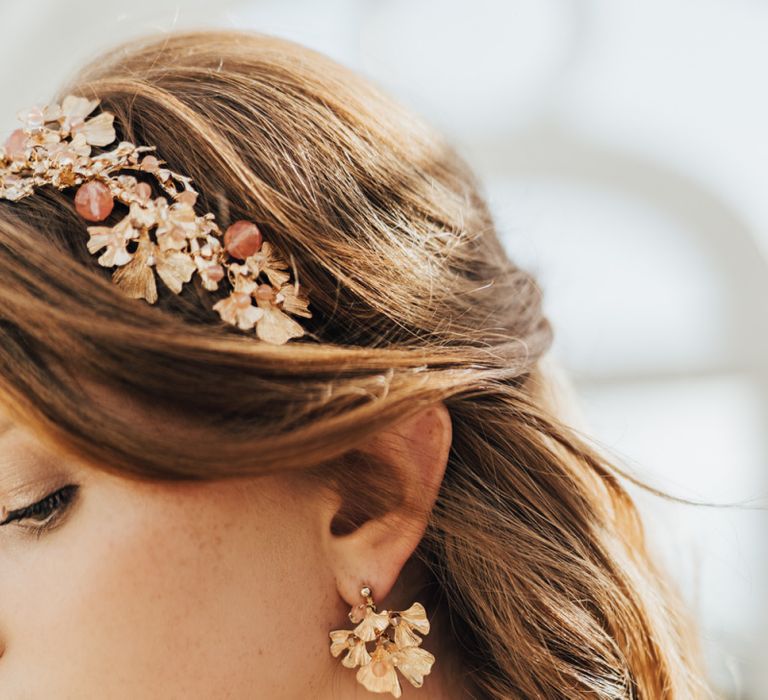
(46, 511)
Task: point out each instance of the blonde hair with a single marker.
(535, 550)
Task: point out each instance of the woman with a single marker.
(201, 502)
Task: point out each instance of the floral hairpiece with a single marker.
(54, 148)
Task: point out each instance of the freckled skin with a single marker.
(198, 590)
(210, 590)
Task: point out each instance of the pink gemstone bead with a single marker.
(213, 271)
(149, 163)
(93, 201)
(14, 144)
(265, 292)
(242, 239)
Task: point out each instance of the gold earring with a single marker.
(400, 651)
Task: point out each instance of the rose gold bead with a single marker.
(242, 239)
(265, 292)
(143, 191)
(213, 271)
(14, 144)
(187, 197)
(93, 201)
(149, 163)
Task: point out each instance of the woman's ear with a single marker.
(373, 551)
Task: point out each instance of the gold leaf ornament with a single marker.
(379, 675)
(267, 261)
(136, 278)
(174, 268)
(171, 240)
(358, 655)
(114, 240)
(414, 663)
(415, 618)
(373, 625)
(397, 647)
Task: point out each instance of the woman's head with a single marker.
(230, 497)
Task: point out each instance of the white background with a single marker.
(623, 146)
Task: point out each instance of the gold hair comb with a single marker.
(54, 148)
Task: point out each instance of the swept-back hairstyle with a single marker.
(535, 551)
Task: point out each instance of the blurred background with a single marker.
(623, 148)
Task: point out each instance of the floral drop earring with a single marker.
(400, 650)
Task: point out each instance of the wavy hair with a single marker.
(535, 552)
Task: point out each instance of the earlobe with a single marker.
(410, 459)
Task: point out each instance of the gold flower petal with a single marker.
(414, 663)
(267, 261)
(405, 637)
(142, 215)
(171, 239)
(238, 310)
(278, 328)
(339, 641)
(114, 239)
(69, 151)
(51, 113)
(178, 219)
(293, 302)
(373, 623)
(358, 655)
(80, 145)
(76, 107)
(416, 617)
(98, 131)
(379, 675)
(174, 268)
(243, 283)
